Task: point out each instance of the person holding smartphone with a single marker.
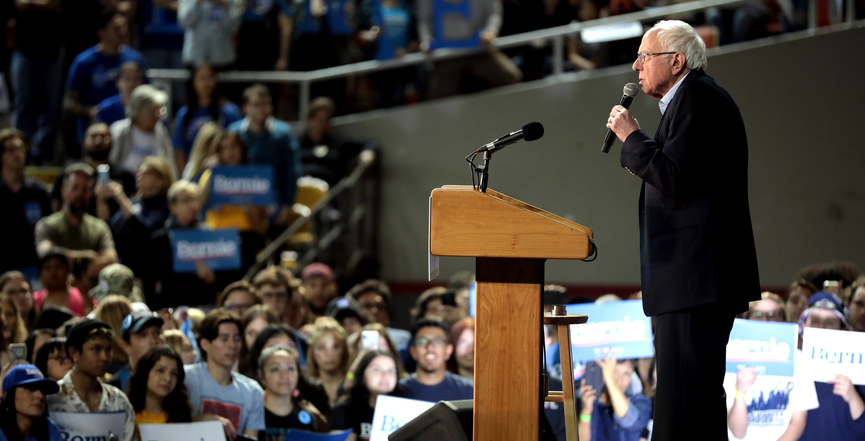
(612, 411)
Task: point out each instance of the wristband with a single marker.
(585, 418)
(739, 396)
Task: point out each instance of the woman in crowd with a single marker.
(203, 154)
(429, 304)
(181, 344)
(203, 104)
(51, 359)
(375, 374)
(163, 287)
(15, 285)
(54, 271)
(327, 360)
(238, 297)
(143, 134)
(284, 407)
(24, 409)
(35, 339)
(385, 344)
(255, 320)
(462, 338)
(140, 216)
(113, 310)
(250, 220)
(157, 390)
(14, 323)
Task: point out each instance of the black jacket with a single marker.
(696, 241)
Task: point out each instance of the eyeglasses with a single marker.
(272, 296)
(437, 342)
(766, 316)
(643, 56)
(374, 305)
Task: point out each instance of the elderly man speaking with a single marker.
(697, 257)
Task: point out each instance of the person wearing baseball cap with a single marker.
(89, 345)
(320, 287)
(349, 313)
(23, 413)
(140, 331)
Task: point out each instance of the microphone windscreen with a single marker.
(532, 131)
(631, 89)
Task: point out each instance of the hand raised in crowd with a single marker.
(204, 272)
(608, 366)
(745, 378)
(588, 395)
(109, 190)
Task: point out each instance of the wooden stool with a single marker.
(567, 396)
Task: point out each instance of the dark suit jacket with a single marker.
(696, 241)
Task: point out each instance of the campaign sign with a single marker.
(621, 327)
(203, 431)
(302, 435)
(767, 346)
(826, 352)
(391, 413)
(90, 426)
(242, 185)
(452, 11)
(219, 249)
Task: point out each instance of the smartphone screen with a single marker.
(369, 340)
(17, 352)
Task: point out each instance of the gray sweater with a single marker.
(210, 29)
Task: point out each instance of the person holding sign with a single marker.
(375, 374)
(615, 412)
(23, 413)
(157, 390)
(284, 408)
(89, 344)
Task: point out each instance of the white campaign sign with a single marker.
(203, 431)
(391, 413)
(89, 426)
(827, 352)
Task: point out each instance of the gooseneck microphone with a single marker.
(630, 92)
(530, 132)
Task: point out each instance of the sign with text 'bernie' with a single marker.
(242, 185)
(620, 326)
(767, 346)
(826, 352)
(391, 413)
(99, 426)
(219, 249)
(202, 431)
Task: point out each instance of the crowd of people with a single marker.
(74, 63)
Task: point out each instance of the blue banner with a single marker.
(621, 327)
(768, 346)
(241, 185)
(442, 8)
(219, 249)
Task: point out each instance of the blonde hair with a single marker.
(175, 338)
(322, 327)
(205, 143)
(182, 186)
(112, 310)
(163, 169)
(19, 334)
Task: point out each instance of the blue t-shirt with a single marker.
(242, 402)
(111, 110)
(228, 113)
(394, 23)
(453, 387)
(276, 146)
(93, 76)
(160, 29)
(832, 420)
(338, 21)
(53, 434)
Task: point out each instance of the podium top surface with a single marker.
(469, 223)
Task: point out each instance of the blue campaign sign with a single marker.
(768, 346)
(622, 327)
(219, 249)
(241, 185)
(302, 435)
(452, 10)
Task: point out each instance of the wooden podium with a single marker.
(510, 241)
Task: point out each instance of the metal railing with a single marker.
(555, 35)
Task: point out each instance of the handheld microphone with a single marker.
(530, 132)
(630, 92)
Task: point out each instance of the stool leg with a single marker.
(568, 383)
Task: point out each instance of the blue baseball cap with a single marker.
(28, 374)
(137, 320)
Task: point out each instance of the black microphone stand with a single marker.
(485, 171)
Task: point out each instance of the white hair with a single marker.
(145, 96)
(678, 36)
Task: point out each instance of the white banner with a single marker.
(391, 413)
(203, 431)
(89, 426)
(826, 352)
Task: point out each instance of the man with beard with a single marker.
(85, 239)
(97, 146)
(431, 350)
